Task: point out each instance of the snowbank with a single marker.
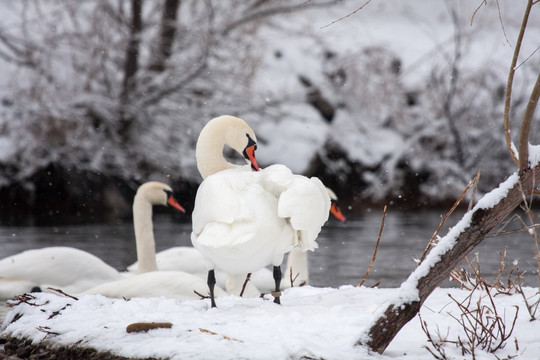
(312, 322)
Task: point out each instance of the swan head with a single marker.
(158, 193)
(218, 132)
(334, 206)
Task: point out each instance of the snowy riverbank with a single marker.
(311, 323)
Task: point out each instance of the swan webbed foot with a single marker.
(211, 281)
(277, 280)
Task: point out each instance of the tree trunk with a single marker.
(131, 64)
(482, 221)
(166, 36)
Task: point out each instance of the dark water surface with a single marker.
(343, 257)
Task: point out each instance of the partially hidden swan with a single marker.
(244, 217)
(149, 282)
(74, 270)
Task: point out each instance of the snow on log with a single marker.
(460, 240)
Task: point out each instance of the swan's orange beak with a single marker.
(172, 202)
(336, 211)
(250, 153)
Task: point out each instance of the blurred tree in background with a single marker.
(100, 96)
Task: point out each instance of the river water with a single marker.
(343, 257)
(344, 254)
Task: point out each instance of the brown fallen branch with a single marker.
(376, 248)
(476, 225)
(144, 326)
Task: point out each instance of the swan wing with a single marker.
(306, 204)
(219, 199)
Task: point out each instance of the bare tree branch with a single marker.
(273, 11)
(511, 72)
(526, 125)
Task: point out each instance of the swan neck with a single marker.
(298, 261)
(209, 152)
(144, 235)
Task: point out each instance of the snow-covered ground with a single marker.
(311, 322)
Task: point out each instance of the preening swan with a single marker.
(75, 270)
(244, 220)
(297, 267)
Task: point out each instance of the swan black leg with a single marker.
(277, 279)
(211, 281)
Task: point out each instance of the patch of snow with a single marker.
(312, 322)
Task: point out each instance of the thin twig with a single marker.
(430, 243)
(484, 2)
(346, 16)
(477, 180)
(62, 293)
(510, 232)
(201, 295)
(291, 276)
(248, 278)
(527, 58)
(376, 248)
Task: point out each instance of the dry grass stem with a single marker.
(215, 333)
(248, 278)
(532, 307)
(473, 193)
(291, 278)
(376, 248)
(62, 293)
(458, 201)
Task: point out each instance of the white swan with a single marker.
(70, 269)
(75, 270)
(297, 267)
(172, 284)
(244, 220)
(149, 282)
(178, 258)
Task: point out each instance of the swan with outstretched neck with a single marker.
(245, 217)
(74, 270)
(149, 282)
